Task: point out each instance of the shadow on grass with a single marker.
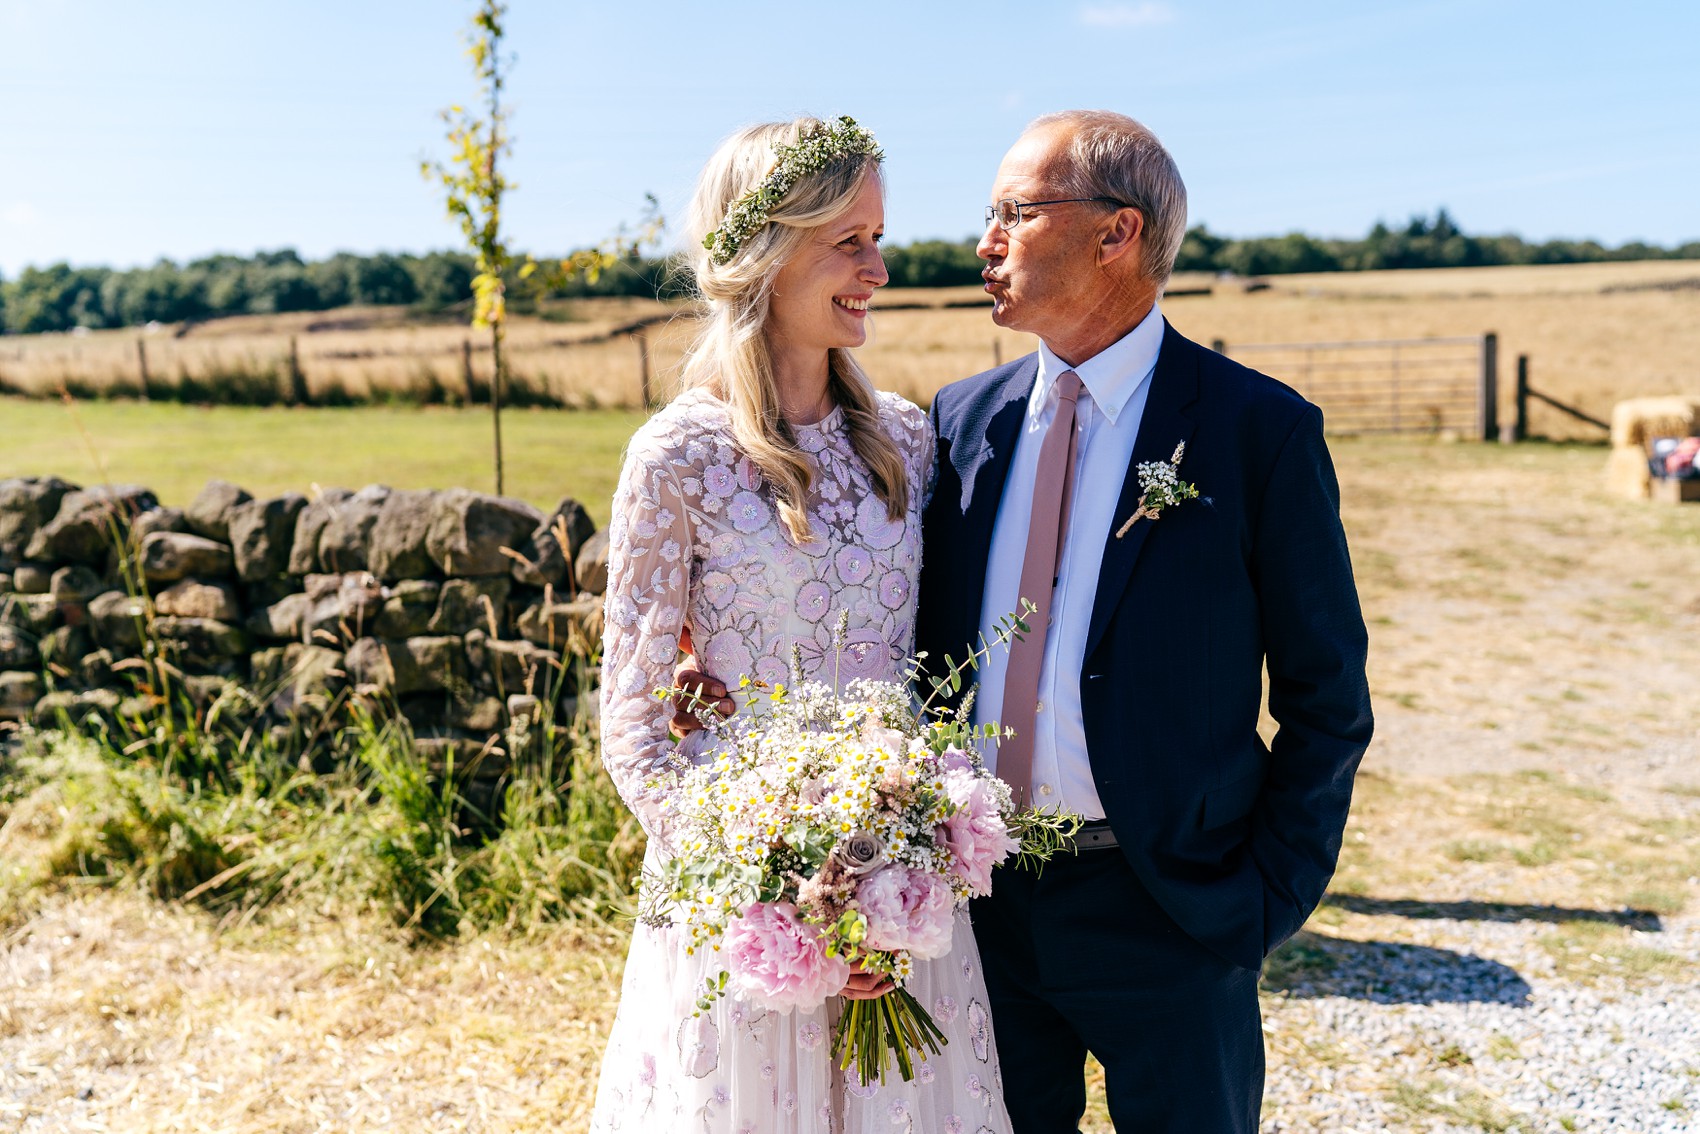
(1386, 972)
(1647, 921)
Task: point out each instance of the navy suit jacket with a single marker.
(1236, 839)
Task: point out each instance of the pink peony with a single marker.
(907, 909)
(777, 961)
(976, 835)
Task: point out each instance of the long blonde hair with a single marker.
(731, 356)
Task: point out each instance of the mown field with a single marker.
(1595, 333)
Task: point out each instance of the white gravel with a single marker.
(1455, 1025)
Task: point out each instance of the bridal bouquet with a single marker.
(840, 828)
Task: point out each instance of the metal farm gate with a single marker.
(1437, 385)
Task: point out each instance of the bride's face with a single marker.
(820, 297)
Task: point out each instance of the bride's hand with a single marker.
(864, 985)
(687, 676)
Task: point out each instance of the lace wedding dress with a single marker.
(695, 539)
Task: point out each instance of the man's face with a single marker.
(1042, 274)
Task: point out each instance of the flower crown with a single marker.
(810, 154)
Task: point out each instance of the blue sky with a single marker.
(182, 127)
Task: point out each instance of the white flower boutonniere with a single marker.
(1159, 487)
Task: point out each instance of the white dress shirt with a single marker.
(1115, 383)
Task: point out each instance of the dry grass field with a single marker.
(1528, 819)
(1595, 333)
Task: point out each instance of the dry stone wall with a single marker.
(470, 611)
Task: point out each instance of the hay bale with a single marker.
(1636, 421)
(1634, 424)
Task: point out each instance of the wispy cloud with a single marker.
(1147, 14)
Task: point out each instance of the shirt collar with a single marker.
(1113, 374)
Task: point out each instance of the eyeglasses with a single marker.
(1007, 212)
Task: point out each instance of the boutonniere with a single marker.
(1159, 487)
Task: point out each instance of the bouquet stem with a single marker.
(873, 1033)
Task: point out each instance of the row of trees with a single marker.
(61, 297)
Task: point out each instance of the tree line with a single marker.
(61, 297)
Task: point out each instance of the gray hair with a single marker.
(1112, 155)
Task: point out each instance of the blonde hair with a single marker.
(731, 356)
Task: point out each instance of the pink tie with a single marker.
(1053, 485)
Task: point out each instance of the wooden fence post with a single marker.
(997, 352)
(643, 366)
(1487, 398)
(466, 371)
(297, 381)
(142, 365)
(1520, 431)
(1219, 346)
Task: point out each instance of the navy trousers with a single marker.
(1080, 958)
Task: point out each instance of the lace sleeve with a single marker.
(910, 427)
(649, 552)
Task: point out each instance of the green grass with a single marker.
(175, 449)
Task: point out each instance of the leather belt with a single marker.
(1095, 834)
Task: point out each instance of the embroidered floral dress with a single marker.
(695, 539)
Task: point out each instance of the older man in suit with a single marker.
(1065, 479)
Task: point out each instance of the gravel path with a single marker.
(1467, 1025)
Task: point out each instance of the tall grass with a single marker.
(385, 833)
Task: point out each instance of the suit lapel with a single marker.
(981, 454)
(1174, 387)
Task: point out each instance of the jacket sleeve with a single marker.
(1316, 647)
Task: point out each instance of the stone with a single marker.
(347, 535)
(549, 552)
(341, 607)
(468, 604)
(117, 620)
(262, 535)
(471, 532)
(32, 578)
(202, 644)
(209, 512)
(573, 627)
(18, 694)
(513, 667)
(76, 585)
(19, 649)
(6, 585)
(191, 598)
(90, 523)
(408, 609)
(170, 556)
(283, 621)
(474, 713)
(94, 669)
(287, 676)
(76, 709)
(590, 569)
(65, 646)
(27, 504)
(397, 547)
(158, 520)
(524, 707)
(407, 666)
(309, 526)
(266, 592)
(33, 614)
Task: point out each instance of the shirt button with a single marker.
(1045, 789)
(1039, 708)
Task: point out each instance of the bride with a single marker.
(777, 492)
